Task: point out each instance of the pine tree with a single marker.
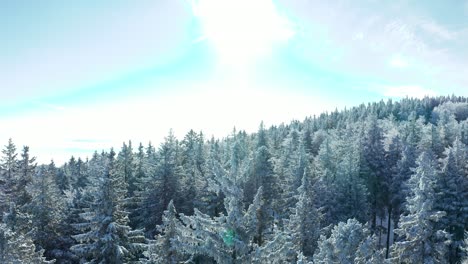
(368, 251)
(349, 242)
(125, 163)
(161, 250)
(16, 245)
(191, 183)
(447, 126)
(209, 202)
(325, 170)
(264, 178)
(289, 169)
(464, 249)
(279, 249)
(350, 194)
(399, 187)
(392, 185)
(16, 248)
(142, 168)
(452, 197)
(162, 186)
(27, 166)
(431, 140)
(304, 223)
(46, 209)
(106, 236)
(8, 171)
(374, 168)
(228, 238)
(9, 164)
(81, 177)
(421, 242)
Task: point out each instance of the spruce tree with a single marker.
(276, 250)
(162, 186)
(17, 248)
(47, 210)
(8, 174)
(303, 224)
(374, 168)
(16, 244)
(161, 250)
(106, 236)
(27, 166)
(420, 241)
(349, 242)
(228, 238)
(452, 197)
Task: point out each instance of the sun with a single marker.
(241, 31)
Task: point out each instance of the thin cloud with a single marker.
(437, 30)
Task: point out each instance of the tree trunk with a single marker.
(389, 226)
(380, 232)
(374, 215)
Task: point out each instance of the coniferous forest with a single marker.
(384, 182)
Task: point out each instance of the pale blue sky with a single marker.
(83, 75)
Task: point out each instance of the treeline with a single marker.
(380, 183)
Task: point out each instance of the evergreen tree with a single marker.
(289, 170)
(373, 170)
(431, 140)
(191, 183)
(16, 248)
(9, 163)
(228, 238)
(264, 178)
(447, 126)
(452, 197)
(8, 170)
(349, 242)
(464, 249)
(304, 223)
(421, 242)
(399, 187)
(162, 186)
(27, 167)
(350, 194)
(279, 249)
(392, 185)
(161, 250)
(16, 245)
(325, 170)
(142, 169)
(106, 236)
(125, 163)
(47, 210)
(260, 198)
(81, 177)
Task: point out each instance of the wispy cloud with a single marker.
(369, 34)
(400, 35)
(437, 30)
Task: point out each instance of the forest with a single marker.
(383, 182)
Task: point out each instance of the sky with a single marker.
(79, 76)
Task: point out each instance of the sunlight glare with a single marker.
(242, 30)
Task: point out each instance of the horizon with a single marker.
(81, 77)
